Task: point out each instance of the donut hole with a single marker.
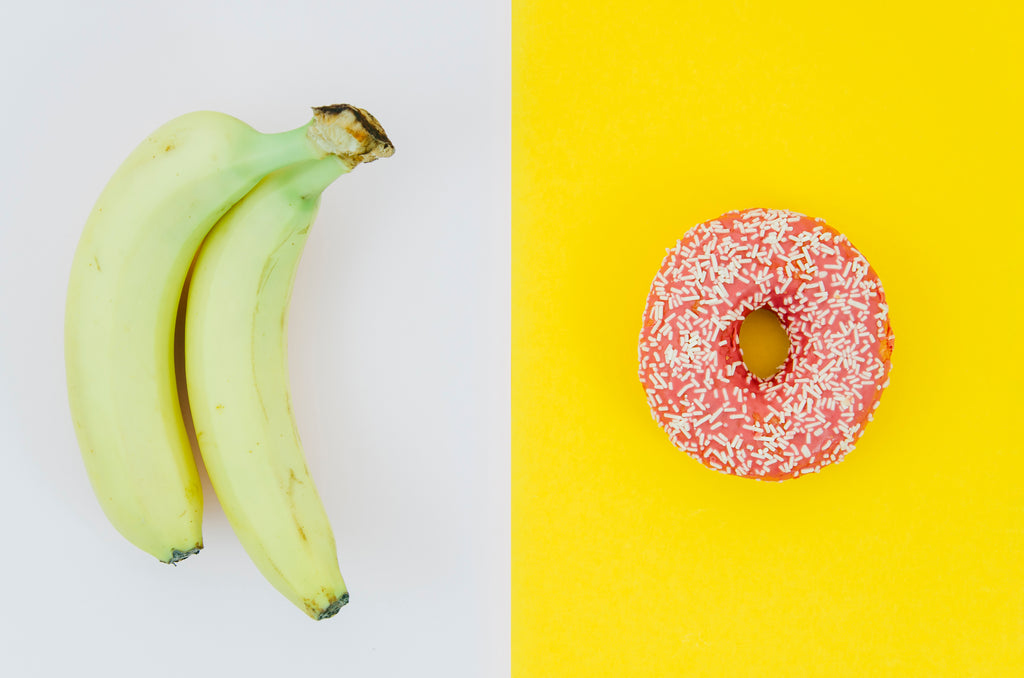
(764, 343)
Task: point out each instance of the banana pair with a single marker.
(207, 188)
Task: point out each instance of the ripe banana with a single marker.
(126, 279)
(236, 367)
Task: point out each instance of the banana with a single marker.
(237, 377)
(125, 282)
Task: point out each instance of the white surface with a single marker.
(399, 338)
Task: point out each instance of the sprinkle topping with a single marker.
(830, 302)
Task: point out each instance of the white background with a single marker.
(398, 338)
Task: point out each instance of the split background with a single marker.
(618, 126)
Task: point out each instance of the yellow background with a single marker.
(900, 124)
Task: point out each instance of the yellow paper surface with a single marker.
(898, 123)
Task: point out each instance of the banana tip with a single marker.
(178, 556)
(351, 133)
(333, 608)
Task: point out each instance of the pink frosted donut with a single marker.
(829, 300)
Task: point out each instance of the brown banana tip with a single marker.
(361, 125)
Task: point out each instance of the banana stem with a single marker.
(309, 179)
(350, 133)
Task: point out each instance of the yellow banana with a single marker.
(237, 375)
(126, 279)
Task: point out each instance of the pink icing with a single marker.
(830, 302)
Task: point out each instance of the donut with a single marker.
(831, 303)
